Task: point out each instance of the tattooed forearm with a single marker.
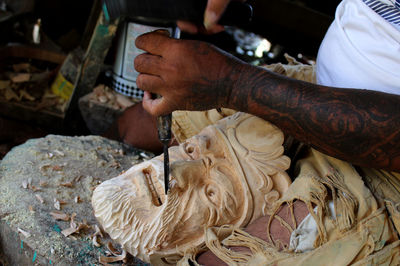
(359, 126)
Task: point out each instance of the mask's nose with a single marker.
(188, 173)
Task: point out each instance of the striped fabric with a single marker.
(390, 12)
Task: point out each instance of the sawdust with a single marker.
(73, 160)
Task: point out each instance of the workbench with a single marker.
(57, 174)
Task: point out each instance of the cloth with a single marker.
(361, 233)
(360, 50)
(303, 237)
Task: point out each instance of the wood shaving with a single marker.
(24, 233)
(102, 99)
(31, 209)
(57, 215)
(67, 184)
(105, 260)
(40, 199)
(123, 101)
(112, 249)
(57, 168)
(95, 242)
(25, 184)
(144, 155)
(34, 188)
(21, 67)
(72, 223)
(95, 236)
(115, 164)
(77, 199)
(98, 230)
(69, 231)
(74, 227)
(57, 204)
(77, 179)
(44, 167)
(59, 153)
(23, 94)
(22, 77)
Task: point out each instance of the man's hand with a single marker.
(213, 12)
(189, 75)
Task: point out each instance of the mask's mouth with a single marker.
(156, 188)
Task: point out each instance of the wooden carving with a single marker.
(230, 173)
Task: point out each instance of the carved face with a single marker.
(207, 188)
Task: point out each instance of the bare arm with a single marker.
(358, 126)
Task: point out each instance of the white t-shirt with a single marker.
(360, 50)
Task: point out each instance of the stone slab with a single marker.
(80, 164)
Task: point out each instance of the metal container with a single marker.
(124, 74)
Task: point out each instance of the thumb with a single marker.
(154, 107)
(213, 12)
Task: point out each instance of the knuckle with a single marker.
(137, 62)
(140, 40)
(139, 81)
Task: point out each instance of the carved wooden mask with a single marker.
(230, 173)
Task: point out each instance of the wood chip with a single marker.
(25, 184)
(77, 199)
(34, 188)
(95, 242)
(112, 249)
(57, 167)
(77, 179)
(123, 101)
(72, 223)
(57, 204)
(24, 233)
(40, 199)
(23, 94)
(31, 209)
(67, 184)
(71, 230)
(22, 77)
(57, 215)
(105, 260)
(59, 153)
(43, 183)
(21, 67)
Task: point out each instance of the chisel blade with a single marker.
(166, 168)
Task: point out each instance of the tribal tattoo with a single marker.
(359, 126)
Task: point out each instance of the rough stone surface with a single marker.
(56, 168)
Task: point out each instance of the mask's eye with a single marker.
(189, 149)
(212, 193)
